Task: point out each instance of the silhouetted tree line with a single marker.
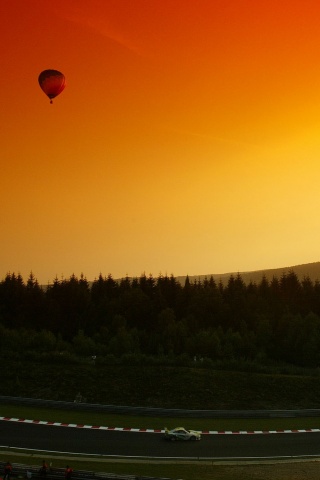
(277, 320)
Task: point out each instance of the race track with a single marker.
(133, 444)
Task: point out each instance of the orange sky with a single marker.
(186, 141)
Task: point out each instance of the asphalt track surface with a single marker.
(104, 443)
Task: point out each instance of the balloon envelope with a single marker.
(52, 82)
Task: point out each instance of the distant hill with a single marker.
(311, 270)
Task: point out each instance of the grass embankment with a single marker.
(161, 386)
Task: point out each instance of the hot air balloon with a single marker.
(52, 83)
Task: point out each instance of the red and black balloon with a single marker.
(52, 82)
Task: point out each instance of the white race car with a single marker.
(181, 433)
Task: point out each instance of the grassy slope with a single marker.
(158, 386)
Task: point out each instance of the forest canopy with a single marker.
(269, 321)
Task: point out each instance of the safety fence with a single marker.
(158, 412)
(32, 472)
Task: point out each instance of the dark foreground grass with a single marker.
(160, 386)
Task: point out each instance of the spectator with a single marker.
(43, 469)
(7, 471)
(68, 473)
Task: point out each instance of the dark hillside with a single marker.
(160, 386)
(311, 270)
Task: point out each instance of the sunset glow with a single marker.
(186, 140)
